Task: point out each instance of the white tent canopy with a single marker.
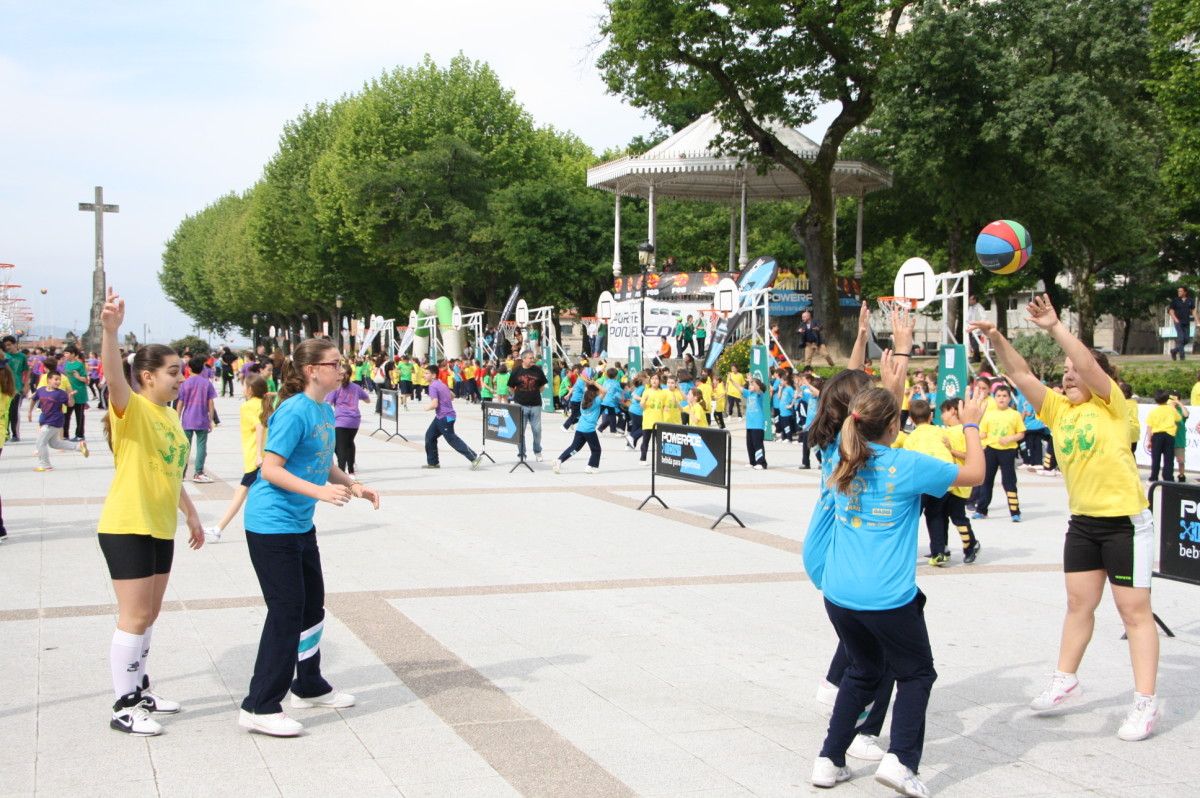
(689, 166)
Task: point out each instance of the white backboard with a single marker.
(522, 313)
(915, 280)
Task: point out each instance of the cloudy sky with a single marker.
(170, 104)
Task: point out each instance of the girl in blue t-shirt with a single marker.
(634, 409)
(756, 423)
(297, 472)
(869, 582)
(585, 430)
(786, 403)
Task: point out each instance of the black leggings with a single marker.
(755, 447)
(344, 448)
(591, 439)
(75, 411)
(1004, 461)
(1162, 456)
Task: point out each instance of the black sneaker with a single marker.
(971, 553)
(131, 716)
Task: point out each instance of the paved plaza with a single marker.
(532, 634)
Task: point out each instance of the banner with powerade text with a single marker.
(502, 422)
(1179, 532)
(694, 454)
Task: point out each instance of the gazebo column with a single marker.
(652, 222)
(743, 254)
(617, 236)
(858, 236)
(732, 238)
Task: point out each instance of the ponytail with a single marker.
(871, 414)
(257, 386)
(292, 379)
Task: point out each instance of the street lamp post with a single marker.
(337, 323)
(645, 263)
(303, 325)
(254, 333)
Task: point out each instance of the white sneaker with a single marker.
(212, 535)
(129, 715)
(826, 695)
(759, 468)
(538, 457)
(153, 702)
(331, 700)
(1063, 688)
(865, 747)
(277, 725)
(1139, 723)
(893, 773)
(827, 774)
(558, 466)
(202, 478)
(591, 469)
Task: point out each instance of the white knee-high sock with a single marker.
(145, 654)
(124, 658)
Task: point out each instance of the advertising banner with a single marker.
(502, 422)
(389, 404)
(952, 377)
(660, 321)
(695, 454)
(1179, 532)
(668, 284)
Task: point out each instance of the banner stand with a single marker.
(1179, 510)
(710, 462)
(389, 407)
(504, 423)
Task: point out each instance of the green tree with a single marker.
(755, 61)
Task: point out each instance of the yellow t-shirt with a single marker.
(672, 410)
(696, 416)
(958, 443)
(1091, 443)
(1135, 425)
(5, 403)
(1195, 395)
(931, 440)
(718, 396)
(901, 438)
(652, 404)
(907, 394)
(150, 453)
(997, 424)
(734, 383)
(1163, 418)
(707, 392)
(250, 418)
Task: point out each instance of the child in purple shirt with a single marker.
(50, 401)
(195, 406)
(346, 418)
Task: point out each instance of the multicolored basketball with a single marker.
(1003, 246)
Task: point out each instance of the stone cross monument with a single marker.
(91, 338)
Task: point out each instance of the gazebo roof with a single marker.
(688, 166)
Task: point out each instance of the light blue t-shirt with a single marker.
(787, 398)
(811, 400)
(589, 416)
(614, 393)
(754, 410)
(869, 564)
(1028, 414)
(301, 432)
(635, 408)
(577, 390)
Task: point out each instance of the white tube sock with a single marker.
(124, 659)
(145, 654)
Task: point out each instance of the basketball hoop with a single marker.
(898, 304)
(509, 330)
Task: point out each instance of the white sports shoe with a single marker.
(130, 715)
(558, 466)
(212, 535)
(538, 456)
(865, 747)
(827, 774)
(1063, 688)
(591, 469)
(1139, 723)
(331, 700)
(277, 725)
(827, 693)
(153, 702)
(893, 773)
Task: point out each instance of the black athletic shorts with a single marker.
(249, 477)
(406, 387)
(136, 556)
(1123, 546)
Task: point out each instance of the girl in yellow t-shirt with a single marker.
(137, 524)
(1110, 535)
(697, 409)
(652, 400)
(252, 424)
(735, 383)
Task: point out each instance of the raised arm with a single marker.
(1042, 313)
(1015, 367)
(111, 317)
(858, 354)
(972, 471)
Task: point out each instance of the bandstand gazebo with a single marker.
(689, 166)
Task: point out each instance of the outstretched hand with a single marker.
(1041, 312)
(892, 371)
(903, 324)
(973, 406)
(112, 315)
(864, 320)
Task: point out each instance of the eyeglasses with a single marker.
(334, 363)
